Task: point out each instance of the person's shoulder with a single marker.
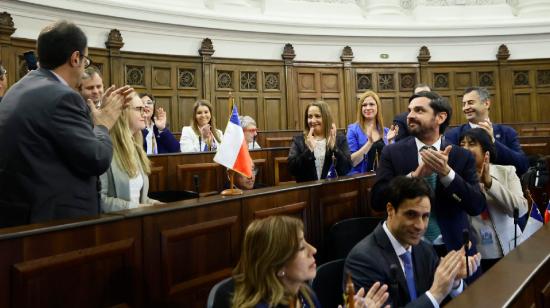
(501, 169)
(364, 245)
(353, 126)
(187, 129)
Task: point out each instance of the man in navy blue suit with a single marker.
(475, 105)
(450, 171)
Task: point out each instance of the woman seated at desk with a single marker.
(202, 135)
(276, 263)
(157, 138)
(125, 184)
(311, 153)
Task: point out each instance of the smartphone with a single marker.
(30, 58)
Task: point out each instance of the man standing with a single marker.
(475, 105)
(52, 153)
(394, 253)
(92, 86)
(450, 171)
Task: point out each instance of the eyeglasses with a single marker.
(251, 130)
(139, 109)
(150, 102)
(87, 61)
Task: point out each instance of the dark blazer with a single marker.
(166, 142)
(301, 160)
(370, 260)
(506, 142)
(51, 153)
(401, 121)
(452, 204)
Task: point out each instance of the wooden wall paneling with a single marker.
(52, 263)
(182, 113)
(393, 83)
(12, 253)
(13, 61)
(264, 165)
(198, 246)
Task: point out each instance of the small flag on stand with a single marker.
(233, 149)
(547, 214)
(332, 174)
(534, 222)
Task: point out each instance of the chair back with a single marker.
(221, 294)
(328, 283)
(344, 234)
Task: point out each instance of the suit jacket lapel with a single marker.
(411, 163)
(121, 180)
(391, 257)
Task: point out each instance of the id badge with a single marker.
(486, 235)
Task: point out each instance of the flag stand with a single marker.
(232, 191)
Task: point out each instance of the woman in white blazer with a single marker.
(202, 135)
(125, 184)
(494, 229)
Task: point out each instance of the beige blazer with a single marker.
(115, 190)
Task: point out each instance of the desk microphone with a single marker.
(516, 219)
(197, 183)
(466, 239)
(393, 284)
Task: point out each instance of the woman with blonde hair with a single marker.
(125, 184)
(275, 265)
(202, 135)
(367, 136)
(311, 153)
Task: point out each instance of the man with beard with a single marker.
(449, 170)
(475, 105)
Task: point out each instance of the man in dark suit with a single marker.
(394, 253)
(52, 153)
(450, 170)
(401, 119)
(475, 105)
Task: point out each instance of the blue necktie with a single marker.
(409, 274)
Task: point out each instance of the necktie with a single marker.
(433, 230)
(409, 274)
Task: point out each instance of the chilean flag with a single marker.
(233, 150)
(534, 222)
(547, 214)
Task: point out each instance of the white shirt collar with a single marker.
(397, 247)
(420, 144)
(60, 78)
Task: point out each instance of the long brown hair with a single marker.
(195, 125)
(378, 118)
(325, 115)
(268, 245)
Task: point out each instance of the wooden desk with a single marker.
(164, 255)
(521, 279)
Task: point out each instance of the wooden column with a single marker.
(7, 56)
(206, 51)
(349, 85)
(292, 108)
(423, 58)
(117, 71)
(505, 90)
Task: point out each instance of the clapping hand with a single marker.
(394, 130)
(375, 298)
(437, 161)
(488, 127)
(206, 133)
(310, 140)
(485, 179)
(113, 102)
(160, 119)
(332, 137)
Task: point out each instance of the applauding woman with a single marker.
(311, 154)
(202, 135)
(125, 184)
(157, 138)
(275, 265)
(494, 228)
(367, 136)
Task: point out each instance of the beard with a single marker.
(419, 130)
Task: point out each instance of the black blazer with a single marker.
(452, 204)
(370, 260)
(301, 161)
(51, 153)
